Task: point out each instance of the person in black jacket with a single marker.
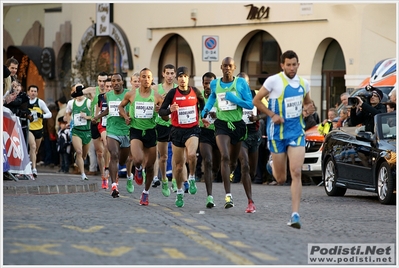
(363, 112)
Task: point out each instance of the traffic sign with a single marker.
(210, 48)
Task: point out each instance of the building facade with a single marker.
(338, 44)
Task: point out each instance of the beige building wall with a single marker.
(366, 32)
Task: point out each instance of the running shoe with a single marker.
(179, 200)
(174, 186)
(129, 185)
(186, 186)
(192, 187)
(229, 202)
(165, 189)
(34, 172)
(104, 183)
(209, 202)
(138, 177)
(251, 207)
(156, 182)
(295, 221)
(144, 199)
(84, 177)
(114, 191)
(232, 176)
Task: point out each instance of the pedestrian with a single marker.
(117, 130)
(287, 94)
(79, 111)
(39, 111)
(231, 95)
(184, 104)
(207, 143)
(163, 130)
(144, 105)
(64, 144)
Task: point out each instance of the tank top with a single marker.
(226, 110)
(208, 117)
(159, 119)
(142, 111)
(116, 124)
(187, 114)
(37, 122)
(79, 122)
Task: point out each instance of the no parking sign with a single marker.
(210, 48)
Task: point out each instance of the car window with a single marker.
(388, 125)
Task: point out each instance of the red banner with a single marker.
(15, 145)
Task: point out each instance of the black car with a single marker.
(355, 159)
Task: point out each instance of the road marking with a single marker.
(36, 248)
(239, 244)
(203, 227)
(176, 254)
(177, 214)
(264, 256)
(218, 235)
(189, 220)
(26, 226)
(115, 252)
(92, 229)
(214, 247)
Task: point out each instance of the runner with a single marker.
(144, 103)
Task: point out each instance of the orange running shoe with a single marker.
(144, 200)
(104, 183)
(138, 177)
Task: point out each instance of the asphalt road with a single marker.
(92, 228)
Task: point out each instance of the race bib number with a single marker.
(104, 118)
(78, 120)
(34, 115)
(187, 115)
(113, 108)
(225, 105)
(144, 110)
(209, 117)
(247, 113)
(293, 106)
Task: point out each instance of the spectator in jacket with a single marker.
(367, 110)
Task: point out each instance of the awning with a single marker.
(33, 52)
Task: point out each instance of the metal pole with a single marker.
(210, 66)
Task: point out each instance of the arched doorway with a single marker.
(333, 81)
(177, 51)
(261, 58)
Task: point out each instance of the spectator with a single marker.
(328, 124)
(344, 98)
(64, 144)
(62, 104)
(344, 118)
(50, 137)
(308, 119)
(315, 114)
(12, 65)
(367, 110)
(391, 107)
(392, 95)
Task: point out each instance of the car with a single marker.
(311, 168)
(359, 160)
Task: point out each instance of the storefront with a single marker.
(337, 43)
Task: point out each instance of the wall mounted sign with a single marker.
(47, 64)
(256, 13)
(104, 18)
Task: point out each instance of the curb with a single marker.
(50, 189)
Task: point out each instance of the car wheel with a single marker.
(330, 180)
(385, 185)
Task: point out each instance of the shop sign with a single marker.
(47, 64)
(256, 13)
(104, 13)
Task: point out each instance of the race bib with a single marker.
(104, 118)
(246, 113)
(293, 106)
(225, 105)
(113, 108)
(187, 115)
(144, 110)
(78, 120)
(209, 118)
(34, 115)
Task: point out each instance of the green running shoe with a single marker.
(129, 186)
(165, 189)
(209, 202)
(179, 200)
(174, 186)
(193, 188)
